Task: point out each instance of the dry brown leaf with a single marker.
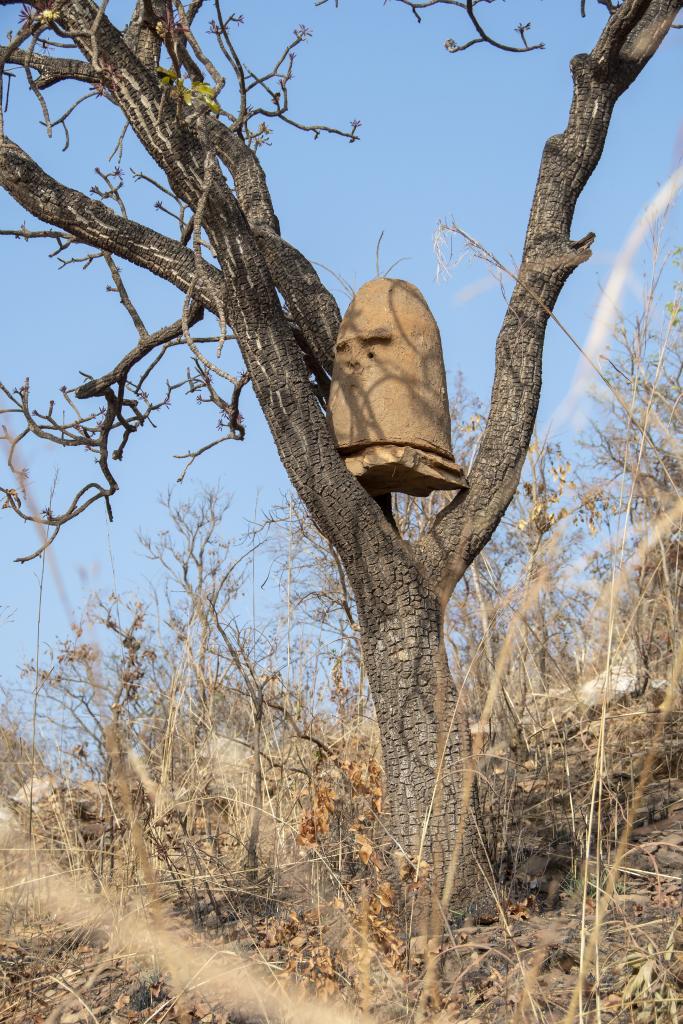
(385, 894)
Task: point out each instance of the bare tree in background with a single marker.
(228, 257)
(639, 473)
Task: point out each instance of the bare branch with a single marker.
(483, 36)
(93, 223)
(125, 298)
(80, 432)
(127, 409)
(24, 233)
(468, 6)
(230, 415)
(52, 69)
(164, 336)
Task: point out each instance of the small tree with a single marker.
(230, 258)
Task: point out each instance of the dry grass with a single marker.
(134, 902)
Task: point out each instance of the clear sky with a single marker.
(442, 136)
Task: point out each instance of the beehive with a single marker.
(388, 407)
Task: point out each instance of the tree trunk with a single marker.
(429, 783)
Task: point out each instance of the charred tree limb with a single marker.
(244, 285)
(94, 223)
(628, 41)
(294, 275)
(51, 70)
(98, 385)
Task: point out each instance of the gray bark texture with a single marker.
(401, 589)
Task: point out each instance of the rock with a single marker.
(41, 789)
(620, 678)
(610, 686)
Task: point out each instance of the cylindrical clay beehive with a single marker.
(388, 406)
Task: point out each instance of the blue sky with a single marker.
(443, 136)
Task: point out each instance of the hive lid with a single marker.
(387, 467)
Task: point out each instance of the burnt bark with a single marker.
(421, 714)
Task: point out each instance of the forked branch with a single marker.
(418, 7)
(632, 34)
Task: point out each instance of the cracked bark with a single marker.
(401, 591)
